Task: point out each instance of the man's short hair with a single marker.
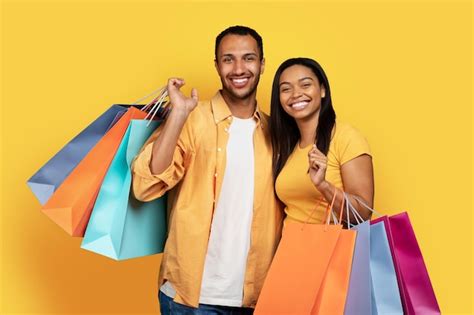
(240, 30)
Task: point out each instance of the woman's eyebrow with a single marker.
(305, 78)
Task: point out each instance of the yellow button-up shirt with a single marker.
(194, 179)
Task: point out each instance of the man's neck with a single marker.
(241, 108)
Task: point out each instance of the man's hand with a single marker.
(179, 102)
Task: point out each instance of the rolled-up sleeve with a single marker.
(147, 186)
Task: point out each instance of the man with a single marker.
(214, 158)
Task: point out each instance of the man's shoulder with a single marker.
(264, 115)
(264, 118)
(201, 112)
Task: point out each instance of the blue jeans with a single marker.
(168, 306)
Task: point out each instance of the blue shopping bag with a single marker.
(121, 227)
(360, 284)
(48, 178)
(385, 292)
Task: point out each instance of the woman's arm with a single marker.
(357, 178)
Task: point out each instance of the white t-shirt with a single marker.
(229, 241)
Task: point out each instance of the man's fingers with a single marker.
(175, 82)
(194, 94)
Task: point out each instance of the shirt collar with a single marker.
(221, 110)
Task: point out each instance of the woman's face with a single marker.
(300, 92)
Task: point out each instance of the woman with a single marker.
(313, 154)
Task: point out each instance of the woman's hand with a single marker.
(317, 167)
(179, 102)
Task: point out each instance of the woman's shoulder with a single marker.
(343, 130)
(348, 142)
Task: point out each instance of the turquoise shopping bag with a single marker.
(121, 227)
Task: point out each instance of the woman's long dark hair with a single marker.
(284, 131)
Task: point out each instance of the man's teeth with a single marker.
(299, 105)
(240, 81)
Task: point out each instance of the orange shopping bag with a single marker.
(71, 204)
(310, 271)
(332, 295)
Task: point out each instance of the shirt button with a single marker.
(215, 174)
(219, 149)
(226, 129)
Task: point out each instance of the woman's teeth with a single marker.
(299, 105)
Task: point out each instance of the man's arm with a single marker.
(165, 144)
(159, 166)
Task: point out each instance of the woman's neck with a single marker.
(307, 128)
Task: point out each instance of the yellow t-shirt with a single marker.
(294, 186)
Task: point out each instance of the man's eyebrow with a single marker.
(246, 54)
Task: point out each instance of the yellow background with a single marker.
(401, 72)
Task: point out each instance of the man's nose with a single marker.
(239, 67)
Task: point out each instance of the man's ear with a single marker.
(262, 67)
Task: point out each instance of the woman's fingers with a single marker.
(317, 163)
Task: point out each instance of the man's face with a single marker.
(239, 66)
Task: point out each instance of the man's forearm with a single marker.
(164, 146)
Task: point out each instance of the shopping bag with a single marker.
(359, 299)
(385, 290)
(71, 204)
(298, 281)
(418, 296)
(331, 298)
(48, 178)
(121, 227)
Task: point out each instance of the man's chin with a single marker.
(238, 94)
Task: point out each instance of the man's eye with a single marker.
(227, 60)
(284, 90)
(250, 58)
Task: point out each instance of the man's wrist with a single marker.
(178, 114)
